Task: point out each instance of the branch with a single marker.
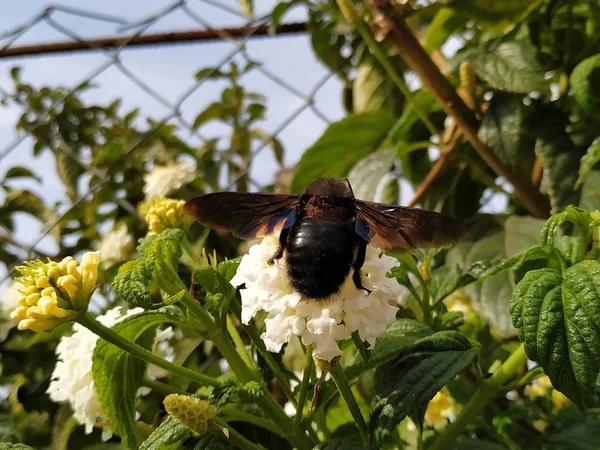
(389, 23)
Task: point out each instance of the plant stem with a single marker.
(388, 19)
(88, 321)
(163, 388)
(239, 344)
(484, 395)
(243, 372)
(350, 13)
(308, 364)
(230, 413)
(237, 439)
(252, 333)
(339, 377)
(360, 345)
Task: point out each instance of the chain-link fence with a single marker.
(302, 96)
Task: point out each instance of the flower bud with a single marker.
(196, 414)
(55, 292)
(162, 213)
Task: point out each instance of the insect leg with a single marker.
(282, 243)
(360, 260)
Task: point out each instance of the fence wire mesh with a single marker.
(300, 96)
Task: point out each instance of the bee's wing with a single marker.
(389, 226)
(247, 215)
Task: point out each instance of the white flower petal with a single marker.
(72, 380)
(318, 322)
(162, 180)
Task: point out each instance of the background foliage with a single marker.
(529, 73)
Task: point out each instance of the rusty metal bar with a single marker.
(149, 39)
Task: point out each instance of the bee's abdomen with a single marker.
(319, 256)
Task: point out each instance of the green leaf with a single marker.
(590, 191)
(560, 158)
(490, 297)
(410, 127)
(557, 318)
(169, 435)
(69, 170)
(464, 443)
(509, 66)
(272, 142)
(342, 145)
(214, 111)
(445, 23)
(137, 280)
(218, 291)
(585, 85)
(214, 440)
(9, 446)
(25, 201)
(368, 173)
(118, 374)
(20, 172)
(581, 433)
(396, 338)
(504, 130)
(497, 15)
(577, 216)
(588, 161)
(372, 89)
(342, 443)
(279, 11)
(413, 379)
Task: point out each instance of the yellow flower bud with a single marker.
(196, 414)
(162, 213)
(55, 292)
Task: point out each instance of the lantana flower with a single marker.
(320, 323)
(540, 387)
(117, 245)
(8, 303)
(72, 380)
(163, 180)
(55, 292)
(162, 213)
(441, 409)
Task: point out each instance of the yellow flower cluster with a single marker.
(196, 414)
(55, 292)
(540, 387)
(440, 409)
(162, 213)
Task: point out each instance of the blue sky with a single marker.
(169, 70)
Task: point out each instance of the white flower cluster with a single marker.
(10, 302)
(73, 379)
(162, 180)
(320, 323)
(117, 245)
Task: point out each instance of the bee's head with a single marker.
(331, 187)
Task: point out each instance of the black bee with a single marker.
(324, 231)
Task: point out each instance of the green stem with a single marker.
(230, 413)
(339, 377)
(252, 333)
(373, 45)
(243, 372)
(308, 363)
(237, 439)
(425, 302)
(484, 395)
(360, 345)
(163, 388)
(239, 344)
(88, 321)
